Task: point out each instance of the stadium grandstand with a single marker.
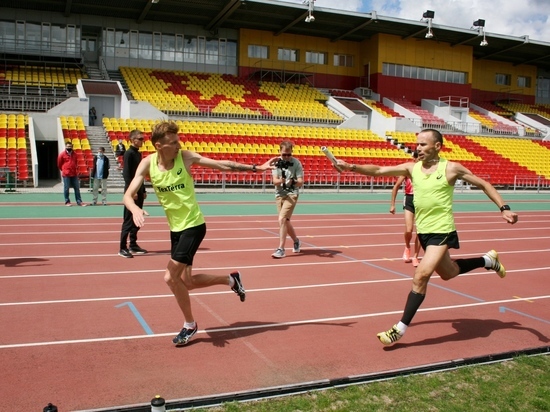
(238, 76)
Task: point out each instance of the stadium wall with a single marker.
(484, 87)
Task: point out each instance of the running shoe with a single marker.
(238, 286)
(407, 255)
(297, 244)
(415, 262)
(390, 336)
(495, 263)
(184, 336)
(279, 253)
(136, 250)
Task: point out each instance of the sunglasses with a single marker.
(286, 154)
(140, 138)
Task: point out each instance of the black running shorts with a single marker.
(438, 239)
(408, 203)
(186, 243)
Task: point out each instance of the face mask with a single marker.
(100, 154)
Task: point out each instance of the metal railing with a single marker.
(251, 114)
(29, 103)
(527, 182)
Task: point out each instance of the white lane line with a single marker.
(264, 326)
(275, 289)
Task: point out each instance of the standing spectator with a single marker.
(408, 210)
(434, 179)
(67, 164)
(132, 157)
(288, 177)
(100, 173)
(169, 169)
(93, 116)
(119, 153)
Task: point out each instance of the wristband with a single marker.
(504, 207)
(254, 168)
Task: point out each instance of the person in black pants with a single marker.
(132, 158)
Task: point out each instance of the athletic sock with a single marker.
(466, 265)
(401, 327)
(190, 325)
(414, 300)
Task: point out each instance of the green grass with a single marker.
(521, 384)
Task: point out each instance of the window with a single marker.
(524, 81)
(316, 57)
(259, 52)
(411, 72)
(290, 55)
(503, 79)
(343, 60)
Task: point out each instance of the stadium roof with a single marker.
(282, 17)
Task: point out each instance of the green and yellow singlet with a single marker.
(433, 200)
(176, 193)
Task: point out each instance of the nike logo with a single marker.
(439, 177)
(179, 171)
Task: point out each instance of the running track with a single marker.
(85, 329)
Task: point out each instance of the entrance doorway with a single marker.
(47, 160)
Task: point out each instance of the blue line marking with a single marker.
(138, 316)
(503, 309)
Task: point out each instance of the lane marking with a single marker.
(520, 298)
(274, 265)
(234, 251)
(138, 316)
(503, 309)
(266, 326)
(275, 289)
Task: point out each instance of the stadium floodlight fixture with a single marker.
(480, 24)
(309, 17)
(428, 16)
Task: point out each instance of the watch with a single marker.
(254, 168)
(353, 167)
(504, 207)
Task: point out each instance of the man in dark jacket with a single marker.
(132, 157)
(67, 163)
(100, 173)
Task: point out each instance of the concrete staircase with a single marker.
(93, 71)
(116, 76)
(97, 138)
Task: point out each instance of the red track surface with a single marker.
(307, 317)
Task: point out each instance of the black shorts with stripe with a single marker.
(408, 203)
(186, 243)
(438, 239)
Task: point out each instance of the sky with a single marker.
(504, 17)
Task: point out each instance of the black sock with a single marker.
(414, 300)
(466, 265)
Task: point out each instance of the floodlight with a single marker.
(310, 19)
(429, 34)
(429, 14)
(479, 23)
(484, 43)
(155, 1)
